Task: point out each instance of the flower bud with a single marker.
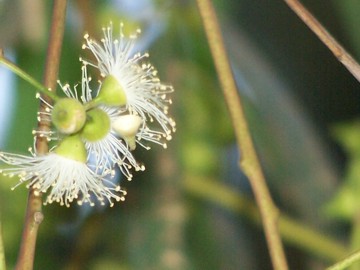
(127, 126)
(72, 147)
(68, 115)
(97, 125)
(111, 93)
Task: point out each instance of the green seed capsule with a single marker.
(68, 115)
(97, 125)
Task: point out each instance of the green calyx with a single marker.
(72, 147)
(111, 93)
(97, 125)
(68, 115)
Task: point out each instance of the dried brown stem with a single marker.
(34, 214)
(249, 162)
(340, 53)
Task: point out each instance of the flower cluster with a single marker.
(96, 130)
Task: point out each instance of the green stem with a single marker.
(343, 264)
(2, 251)
(292, 231)
(28, 78)
(249, 162)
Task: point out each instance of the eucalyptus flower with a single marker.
(65, 173)
(131, 84)
(101, 141)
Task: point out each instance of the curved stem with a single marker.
(34, 214)
(28, 78)
(340, 53)
(249, 162)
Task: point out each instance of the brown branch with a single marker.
(34, 214)
(340, 53)
(33, 219)
(249, 162)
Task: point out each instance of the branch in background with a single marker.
(341, 54)
(292, 231)
(249, 162)
(34, 214)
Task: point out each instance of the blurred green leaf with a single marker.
(346, 202)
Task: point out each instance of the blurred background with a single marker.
(193, 208)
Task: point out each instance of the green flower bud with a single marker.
(111, 93)
(127, 126)
(97, 125)
(72, 147)
(68, 115)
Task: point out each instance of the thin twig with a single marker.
(249, 162)
(34, 214)
(340, 53)
(343, 264)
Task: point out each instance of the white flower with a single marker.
(145, 95)
(69, 180)
(109, 149)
